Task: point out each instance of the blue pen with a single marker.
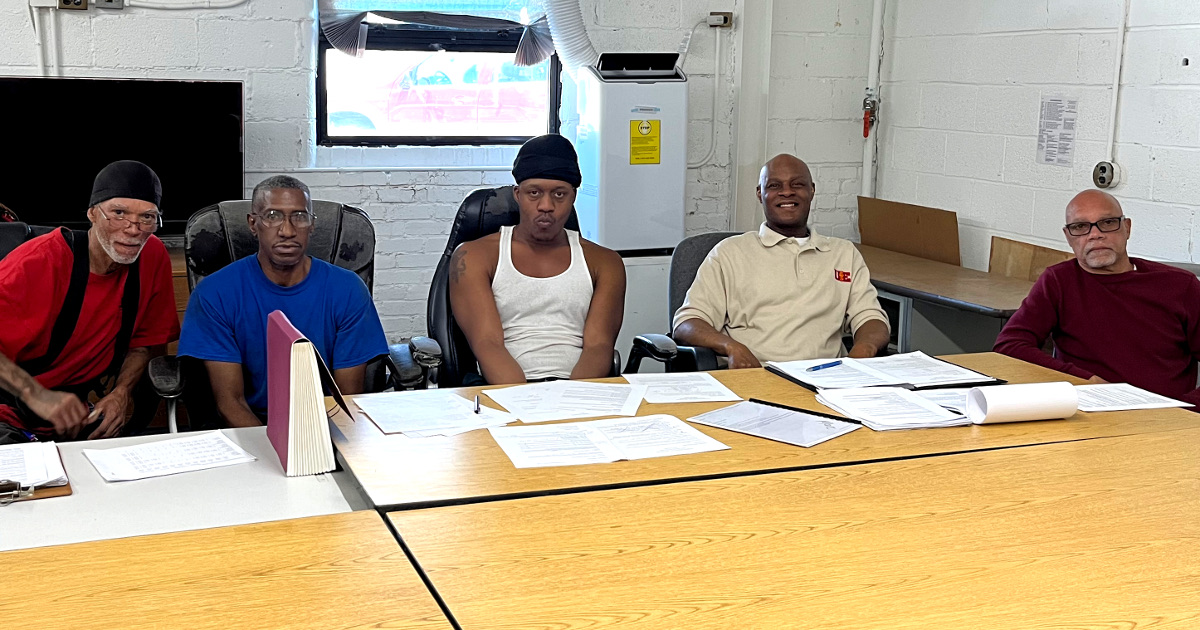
(32, 437)
(824, 366)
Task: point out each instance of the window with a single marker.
(423, 85)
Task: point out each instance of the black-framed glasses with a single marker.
(1083, 228)
(274, 218)
(146, 222)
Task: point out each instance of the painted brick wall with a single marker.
(962, 86)
(818, 76)
(270, 46)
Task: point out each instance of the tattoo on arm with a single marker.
(458, 265)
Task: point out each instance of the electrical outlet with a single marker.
(1106, 174)
(720, 19)
(109, 4)
(78, 5)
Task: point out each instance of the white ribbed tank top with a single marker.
(543, 318)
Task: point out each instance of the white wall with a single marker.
(818, 75)
(962, 86)
(270, 46)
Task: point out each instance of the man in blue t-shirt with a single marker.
(226, 320)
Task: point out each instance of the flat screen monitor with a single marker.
(59, 132)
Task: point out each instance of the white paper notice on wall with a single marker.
(1056, 130)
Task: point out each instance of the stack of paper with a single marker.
(887, 408)
(1121, 396)
(601, 441)
(568, 400)
(775, 423)
(426, 413)
(914, 368)
(682, 387)
(36, 464)
(167, 457)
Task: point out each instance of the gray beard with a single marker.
(107, 245)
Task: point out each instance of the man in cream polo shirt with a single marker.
(782, 293)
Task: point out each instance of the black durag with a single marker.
(548, 157)
(128, 179)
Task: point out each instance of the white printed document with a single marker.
(682, 387)
(601, 441)
(774, 423)
(913, 368)
(429, 412)
(887, 408)
(168, 457)
(568, 400)
(34, 464)
(952, 398)
(1121, 396)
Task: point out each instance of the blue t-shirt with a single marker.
(226, 319)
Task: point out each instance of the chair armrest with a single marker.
(425, 351)
(661, 348)
(406, 372)
(696, 359)
(166, 376)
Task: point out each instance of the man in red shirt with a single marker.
(1112, 318)
(65, 325)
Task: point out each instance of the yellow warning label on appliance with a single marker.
(645, 142)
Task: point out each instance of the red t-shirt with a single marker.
(33, 285)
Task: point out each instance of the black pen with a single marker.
(799, 410)
(477, 403)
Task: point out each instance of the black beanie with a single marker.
(548, 157)
(129, 179)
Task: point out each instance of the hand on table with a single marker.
(741, 357)
(1097, 380)
(863, 351)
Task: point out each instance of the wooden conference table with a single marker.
(395, 472)
(335, 571)
(936, 282)
(1092, 534)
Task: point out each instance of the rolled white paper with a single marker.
(1019, 403)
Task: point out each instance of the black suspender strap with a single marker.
(68, 316)
(129, 311)
(64, 325)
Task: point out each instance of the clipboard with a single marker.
(23, 493)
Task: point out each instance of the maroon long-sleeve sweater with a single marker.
(1140, 327)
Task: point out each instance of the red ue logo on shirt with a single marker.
(841, 276)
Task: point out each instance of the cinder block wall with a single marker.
(270, 45)
(963, 80)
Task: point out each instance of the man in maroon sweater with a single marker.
(1112, 318)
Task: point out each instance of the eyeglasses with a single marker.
(274, 218)
(1083, 228)
(146, 222)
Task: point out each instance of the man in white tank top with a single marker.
(535, 300)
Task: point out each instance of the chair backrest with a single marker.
(1015, 259)
(483, 212)
(13, 233)
(218, 235)
(689, 253)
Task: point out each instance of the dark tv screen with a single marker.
(58, 133)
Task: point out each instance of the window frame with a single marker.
(427, 38)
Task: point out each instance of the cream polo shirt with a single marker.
(783, 300)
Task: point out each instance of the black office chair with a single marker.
(13, 233)
(344, 236)
(686, 260)
(483, 212)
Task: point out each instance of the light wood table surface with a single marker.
(1099, 534)
(231, 495)
(949, 285)
(396, 472)
(337, 571)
